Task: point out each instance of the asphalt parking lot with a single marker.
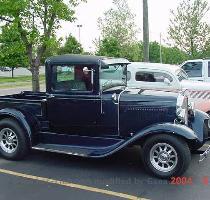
(52, 176)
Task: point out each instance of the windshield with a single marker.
(113, 75)
(182, 75)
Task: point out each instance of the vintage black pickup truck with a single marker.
(88, 111)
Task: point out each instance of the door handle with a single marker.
(50, 96)
(114, 98)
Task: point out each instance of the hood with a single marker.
(151, 94)
(146, 95)
(195, 85)
(143, 108)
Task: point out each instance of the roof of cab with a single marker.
(84, 59)
(153, 66)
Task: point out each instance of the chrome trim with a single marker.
(204, 154)
(8, 140)
(100, 87)
(162, 155)
(57, 151)
(118, 114)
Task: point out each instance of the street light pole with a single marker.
(161, 60)
(79, 26)
(145, 31)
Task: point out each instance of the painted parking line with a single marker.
(71, 185)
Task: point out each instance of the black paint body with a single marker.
(94, 124)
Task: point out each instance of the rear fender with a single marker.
(23, 121)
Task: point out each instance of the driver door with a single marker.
(72, 106)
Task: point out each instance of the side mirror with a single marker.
(166, 81)
(86, 70)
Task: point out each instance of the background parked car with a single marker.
(169, 77)
(198, 70)
(5, 69)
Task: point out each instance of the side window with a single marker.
(71, 78)
(159, 77)
(193, 69)
(209, 69)
(152, 77)
(145, 76)
(65, 73)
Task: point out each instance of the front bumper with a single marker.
(200, 125)
(204, 154)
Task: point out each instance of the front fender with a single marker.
(168, 128)
(171, 128)
(21, 119)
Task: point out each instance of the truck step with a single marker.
(83, 151)
(102, 149)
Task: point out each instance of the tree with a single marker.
(113, 48)
(187, 29)
(109, 47)
(173, 55)
(71, 46)
(170, 55)
(118, 31)
(145, 31)
(52, 48)
(36, 23)
(12, 50)
(154, 53)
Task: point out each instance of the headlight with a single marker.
(209, 123)
(182, 109)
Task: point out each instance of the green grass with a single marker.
(20, 81)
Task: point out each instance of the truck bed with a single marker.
(25, 95)
(30, 101)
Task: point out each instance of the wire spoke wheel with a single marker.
(8, 140)
(163, 157)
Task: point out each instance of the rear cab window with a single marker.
(68, 78)
(152, 77)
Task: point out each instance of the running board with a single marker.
(83, 151)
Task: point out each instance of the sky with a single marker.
(88, 13)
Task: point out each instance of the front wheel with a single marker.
(166, 156)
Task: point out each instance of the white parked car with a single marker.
(168, 77)
(198, 70)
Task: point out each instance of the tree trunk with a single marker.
(12, 72)
(35, 78)
(145, 31)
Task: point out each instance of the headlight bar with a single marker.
(182, 108)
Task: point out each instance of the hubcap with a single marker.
(8, 140)
(163, 157)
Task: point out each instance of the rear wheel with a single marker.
(166, 156)
(13, 141)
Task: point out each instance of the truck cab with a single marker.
(88, 110)
(198, 69)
